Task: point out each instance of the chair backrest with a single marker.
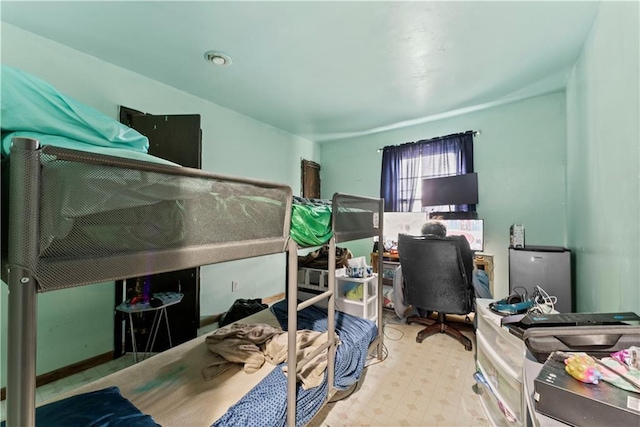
(434, 274)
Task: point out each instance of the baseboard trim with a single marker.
(206, 321)
(67, 371)
(273, 298)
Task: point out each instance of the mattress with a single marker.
(170, 387)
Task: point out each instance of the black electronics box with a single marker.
(560, 396)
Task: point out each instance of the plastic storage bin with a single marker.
(501, 379)
(365, 307)
(511, 349)
(492, 407)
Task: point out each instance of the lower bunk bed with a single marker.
(170, 389)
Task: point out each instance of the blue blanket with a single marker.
(102, 408)
(266, 403)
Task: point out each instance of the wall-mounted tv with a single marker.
(450, 190)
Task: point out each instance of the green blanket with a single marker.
(311, 224)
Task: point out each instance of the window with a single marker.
(429, 166)
(405, 166)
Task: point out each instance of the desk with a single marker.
(481, 261)
(168, 299)
(386, 256)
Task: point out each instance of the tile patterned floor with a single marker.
(427, 384)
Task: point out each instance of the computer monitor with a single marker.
(450, 190)
(396, 223)
(472, 229)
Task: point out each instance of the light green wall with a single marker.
(233, 144)
(519, 157)
(603, 168)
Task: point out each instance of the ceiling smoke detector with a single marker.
(220, 59)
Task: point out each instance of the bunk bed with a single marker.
(80, 216)
(249, 218)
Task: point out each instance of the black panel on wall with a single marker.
(176, 138)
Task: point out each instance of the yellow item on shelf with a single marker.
(356, 293)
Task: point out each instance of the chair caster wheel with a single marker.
(419, 340)
(468, 347)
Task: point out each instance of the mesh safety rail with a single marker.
(356, 217)
(105, 218)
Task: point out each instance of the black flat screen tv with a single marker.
(450, 190)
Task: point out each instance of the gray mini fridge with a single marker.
(546, 266)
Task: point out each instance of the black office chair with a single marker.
(435, 279)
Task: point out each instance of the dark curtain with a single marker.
(446, 156)
(442, 156)
(399, 177)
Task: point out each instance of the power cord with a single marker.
(385, 351)
(543, 303)
(385, 326)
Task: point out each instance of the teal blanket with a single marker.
(30, 104)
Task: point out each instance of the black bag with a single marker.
(320, 258)
(240, 309)
(599, 341)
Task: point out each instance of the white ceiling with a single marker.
(325, 70)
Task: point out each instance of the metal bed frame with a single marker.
(28, 272)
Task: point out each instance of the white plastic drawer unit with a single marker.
(507, 346)
(491, 406)
(501, 379)
(358, 308)
(365, 303)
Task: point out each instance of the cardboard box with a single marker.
(560, 396)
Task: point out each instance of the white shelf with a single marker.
(358, 301)
(367, 307)
(357, 279)
(315, 279)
